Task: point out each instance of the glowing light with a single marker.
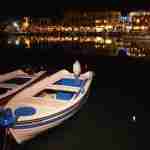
(97, 21)
(25, 24)
(76, 29)
(88, 28)
(136, 28)
(66, 29)
(129, 27)
(99, 29)
(108, 41)
(75, 38)
(108, 27)
(88, 40)
(82, 28)
(15, 24)
(144, 27)
(68, 38)
(99, 40)
(105, 21)
(69, 28)
(27, 41)
(17, 42)
(134, 118)
(62, 28)
(137, 20)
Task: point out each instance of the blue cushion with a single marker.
(25, 111)
(64, 95)
(70, 82)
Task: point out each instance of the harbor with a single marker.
(75, 81)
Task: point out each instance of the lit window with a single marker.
(108, 41)
(137, 20)
(99, 40)
(99, 29)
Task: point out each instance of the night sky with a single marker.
(56, 7)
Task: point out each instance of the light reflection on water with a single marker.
(104, 45)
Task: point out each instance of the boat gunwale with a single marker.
(19, 87)
(73, 108)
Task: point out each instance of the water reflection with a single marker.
(100, 44)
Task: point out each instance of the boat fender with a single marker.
(7, 119)
(76, 69)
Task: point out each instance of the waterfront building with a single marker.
(140, 20)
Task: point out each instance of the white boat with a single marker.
(47, 103)
(12, 82)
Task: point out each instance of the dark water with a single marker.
(117, 91)
(103, 45)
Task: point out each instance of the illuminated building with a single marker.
(140, 20)
(90, 19)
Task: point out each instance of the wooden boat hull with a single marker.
(4, 98)
(23, 134)
(49, 112)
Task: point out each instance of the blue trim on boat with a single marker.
(40, 123)
(50, 116)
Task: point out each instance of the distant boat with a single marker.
(47, 103)
(12, 82)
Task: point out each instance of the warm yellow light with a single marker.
(137, 20)
(105, 21)
(62, 28)
(108, 41)
(75, 38)
(136, 28)
(99, 29)
(99, 39)
(82, 28)
(67, 38)
(97, 21)
(108, 27)
(143, 27)
(27, 41)
(88, 28)
(129, 27)
(69, 28)
(88, 39)
(25, 25)
(76, 29)
(42, 39)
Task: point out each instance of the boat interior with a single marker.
(64, 89)
(12, 83)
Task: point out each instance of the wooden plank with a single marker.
(63, 88)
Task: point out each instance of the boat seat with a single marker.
(70, 82)
(64, 88)
(64, 95)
